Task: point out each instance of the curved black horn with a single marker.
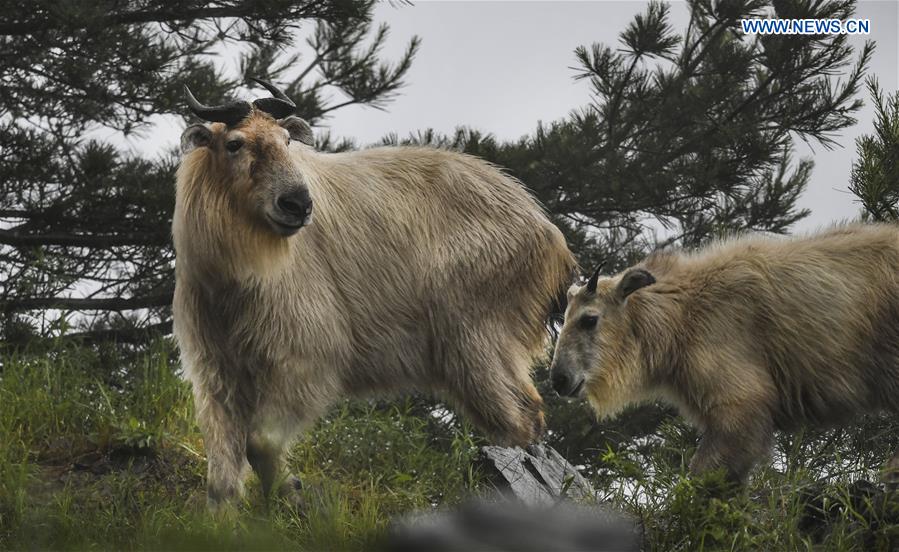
(275, 91)
(591, 282)
(279, 106)
(230, 113)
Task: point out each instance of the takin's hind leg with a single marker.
(267, 457)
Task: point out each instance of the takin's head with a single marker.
(598, 353)
(237, 173)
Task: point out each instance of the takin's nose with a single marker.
(297, 205)
(291, 211)
(566, 384)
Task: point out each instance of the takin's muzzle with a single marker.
(291, 211)
(565, 381)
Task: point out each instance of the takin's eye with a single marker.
(588, 321)
(233, 145)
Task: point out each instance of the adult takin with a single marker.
(303, 277)
(744, 337)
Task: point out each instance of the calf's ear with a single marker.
(632, 280)
(195, 136)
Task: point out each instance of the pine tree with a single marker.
(695, 130)
(875, 174)
(84, 227)
(689, 135)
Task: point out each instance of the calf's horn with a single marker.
(591, 282)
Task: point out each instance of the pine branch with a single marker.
(77, 303)
(324, 10)
(134, 336)
(17, 239)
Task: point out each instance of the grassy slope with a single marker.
(87, 462)
(100, 452)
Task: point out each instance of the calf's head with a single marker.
(241, 163)
(598, 353)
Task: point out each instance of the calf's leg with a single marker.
(735, 439)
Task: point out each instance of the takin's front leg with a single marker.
(224, 437)
(268, 458)
(499, 397)
(734, 439)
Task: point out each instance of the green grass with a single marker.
(93, 459)
(818, 492)
(99, 450)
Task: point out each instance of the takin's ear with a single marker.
(195, 136)
(299, 130)
(633, 280)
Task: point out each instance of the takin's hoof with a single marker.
(291, 490)
(890, 475)
(221, 503)
(299, 496)
(531, 429)
(512, 419)
(519, 432)
(197, 502)
(222, 511)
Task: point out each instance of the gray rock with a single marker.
(532, 513)
(538, 475)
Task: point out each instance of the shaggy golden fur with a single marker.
(420, 270)
(744, 337)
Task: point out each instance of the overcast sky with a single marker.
(502, 66)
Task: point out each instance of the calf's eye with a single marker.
(588, 321)
(233, 145)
